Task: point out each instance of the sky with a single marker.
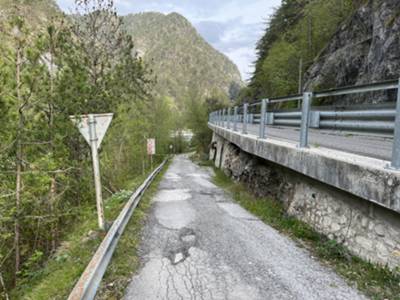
(231, 26)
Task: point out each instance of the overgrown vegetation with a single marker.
(294, 36)
(375, 281)
(55, 278)
(50, 70)
(196, 117)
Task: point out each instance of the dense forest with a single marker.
(51, 69)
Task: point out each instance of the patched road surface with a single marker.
(199, 244)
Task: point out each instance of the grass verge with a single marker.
(125, 261)
(374, 281)
(57, 277)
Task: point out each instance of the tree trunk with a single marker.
(53, 184)
(19, 165)
(52, 200)
(4, 287)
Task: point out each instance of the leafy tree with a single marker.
(198, 110)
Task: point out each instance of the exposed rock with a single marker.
(249, 170)
(364, 50)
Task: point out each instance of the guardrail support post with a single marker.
(229, 118)
(235, 117)
(395, 163)
(223, 118)
(245, 120)
(305, 119)
(263, 117)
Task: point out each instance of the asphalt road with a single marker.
(376, 146)
(198, 244)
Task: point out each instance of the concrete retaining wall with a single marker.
(365, 228)
(364, 177)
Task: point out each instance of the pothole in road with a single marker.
(188, 237)
(177, 255)
(178, 251)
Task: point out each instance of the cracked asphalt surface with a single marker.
(198, 244)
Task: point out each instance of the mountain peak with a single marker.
(181, 58)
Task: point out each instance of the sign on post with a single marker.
(151, 146)
(93, 128)
(151, 150)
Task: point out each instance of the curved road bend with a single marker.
(198, 244)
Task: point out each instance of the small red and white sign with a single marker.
(151, 146)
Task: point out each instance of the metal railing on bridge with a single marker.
(384, 119)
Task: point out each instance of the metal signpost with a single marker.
(93, 127)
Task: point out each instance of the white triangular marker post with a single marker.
(93, 127)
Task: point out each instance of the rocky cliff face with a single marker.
(365, 49)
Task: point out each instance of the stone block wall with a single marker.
(366, 229)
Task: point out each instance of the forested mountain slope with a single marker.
(180, 58)
(36, 12)
(331, 43)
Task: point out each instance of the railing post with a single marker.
(263, 118)
(219, 118)
(395, 163)
(228, 118)
(245, 107)
(223, 117)
(235, 117)
(305, 119)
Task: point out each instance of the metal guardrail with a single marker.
(87, 285)
(370, 119)
(381, 120)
